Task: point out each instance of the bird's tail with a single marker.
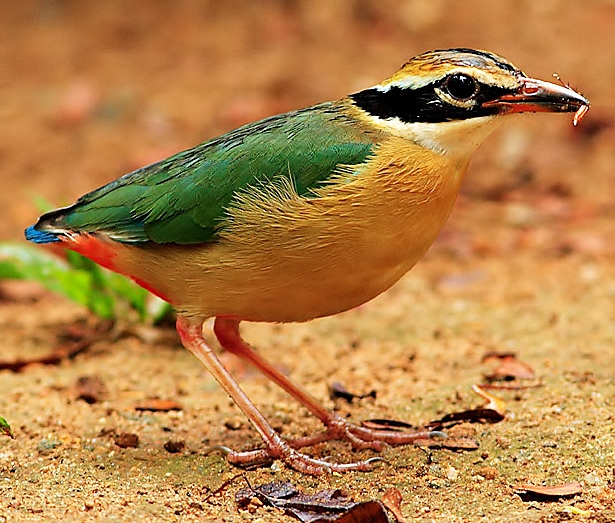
(35, 235)
(50, 227)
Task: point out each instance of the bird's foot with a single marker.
(361, 438)
(303, 463)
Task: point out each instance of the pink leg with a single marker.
(227, 332)
(191, 335)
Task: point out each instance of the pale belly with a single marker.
(326, 265)
(302, 287)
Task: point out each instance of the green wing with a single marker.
(184, 198)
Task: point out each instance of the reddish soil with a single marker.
(90, 90)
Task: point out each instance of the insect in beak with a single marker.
(539, 96)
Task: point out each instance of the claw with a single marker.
(375, 459)
(225, 450)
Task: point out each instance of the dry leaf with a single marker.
(493, 412)
(367, 512)
(494, 403)
(158, 405)
(509, 368)
(323, 506)
(554, 491)
(448, 443)
(392, 499)
(480, 415)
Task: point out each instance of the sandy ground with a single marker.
(90, 90)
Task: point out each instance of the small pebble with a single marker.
(452, 473)
(90, 389)
(488, 472)
(127, 440)
(174, 445)
(46, 445)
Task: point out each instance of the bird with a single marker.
(303, 215)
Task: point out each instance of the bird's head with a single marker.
(449, 100)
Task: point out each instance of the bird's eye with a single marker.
(460, 86)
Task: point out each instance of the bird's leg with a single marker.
(191, 334)
(227, 332)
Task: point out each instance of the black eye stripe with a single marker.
(424, 104)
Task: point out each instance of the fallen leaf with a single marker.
(553, 491)
(158, 405)
(392, 499)
(366, 512)
(323, 506)
(480, 415)
(494, 403)
(509, 368)
(448, 443)
(493, 412)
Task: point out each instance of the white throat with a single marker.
(457, 139)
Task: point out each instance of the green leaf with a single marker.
(5, 428)
(105, 293)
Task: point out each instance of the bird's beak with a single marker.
(539, 96)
